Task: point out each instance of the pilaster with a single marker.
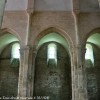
(24, 76)
(26, 71)
(81, 80)
(29, 10)
(29, 21)
(30, 6)
(75, 5)
(2, 7)
(31, 72)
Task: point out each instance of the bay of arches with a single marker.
(53, 75)
(92, 64)
(9, 65)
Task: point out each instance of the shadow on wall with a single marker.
(53, 79)
(93, 67)
(9, 67)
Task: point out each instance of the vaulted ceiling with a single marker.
(54, 37)
(95, 39)
(6, 39)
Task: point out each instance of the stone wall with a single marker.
(16, 22)
(50, 79)
(89, 5)
(8, 74)
(93, 76)
(87, 23)
(42, 21)
(64, 21)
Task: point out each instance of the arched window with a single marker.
(15, 54)
(15, 51)
(89, 53)
(52, 52)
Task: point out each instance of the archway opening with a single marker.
(9, 65)
(53, 68)
(92, 62)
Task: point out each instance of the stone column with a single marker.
(31, 71)
(73, 73)
(78, 75)
(30, 11)
(79, 81)
(2, 7)
(30, 6)
(25, 87)
(24, 77)
(80, 88)
(75, 5)
(83, 51)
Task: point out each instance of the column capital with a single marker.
(25, 48)
(76, 11)
(35, 49)
(30, 6)
(78, 46)
(84, 50)
(28, 49)
(75, 6)
(29, 11)
(81, 47)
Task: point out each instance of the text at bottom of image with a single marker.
(24, 98)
